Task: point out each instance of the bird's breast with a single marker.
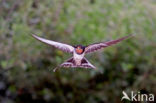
(78, 58)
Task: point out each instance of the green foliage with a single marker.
(26, 64)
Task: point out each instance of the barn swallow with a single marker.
(78, 51)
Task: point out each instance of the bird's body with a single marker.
(78, 57)
(78, 51)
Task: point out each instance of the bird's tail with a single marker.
(67, 63)
(86, 64)
(70, 63)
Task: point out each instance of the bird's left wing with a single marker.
(97, 46)
(64, 47)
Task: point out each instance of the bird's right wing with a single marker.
(64, 47)
(97, 46)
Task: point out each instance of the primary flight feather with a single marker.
(78, 51)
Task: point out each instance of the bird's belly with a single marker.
(78, 59)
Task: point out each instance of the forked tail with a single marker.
(70, 63)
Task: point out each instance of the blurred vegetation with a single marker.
(26, 64)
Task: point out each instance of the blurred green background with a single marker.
(26, 64)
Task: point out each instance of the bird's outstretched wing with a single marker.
(97, 46)
(64, 47)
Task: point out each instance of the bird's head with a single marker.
(79, 49)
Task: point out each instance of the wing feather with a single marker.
(64, 47)
(97, 46)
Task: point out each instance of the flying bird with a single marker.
(78, 51)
